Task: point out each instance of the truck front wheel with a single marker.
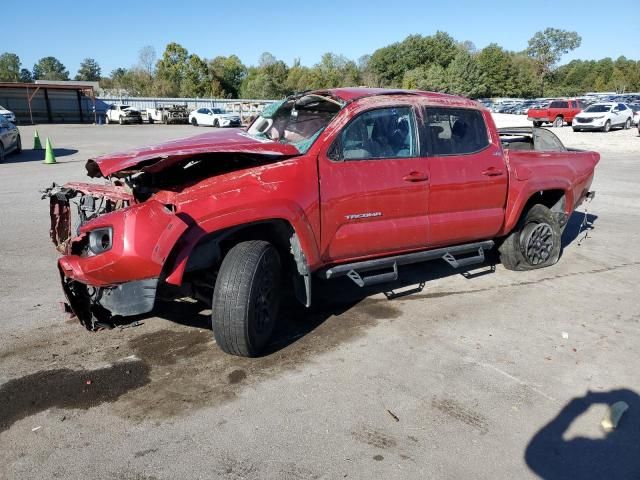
(535, 242)
(246, 298)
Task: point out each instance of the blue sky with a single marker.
(114, 32)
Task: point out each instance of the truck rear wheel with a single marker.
(535, 242)
(246, 298)
(558, 122)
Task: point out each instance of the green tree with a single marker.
(390, 63)
(9, 67)
(227, 74)
(25, 75)
(548, 47)
(89, 70)
(50, 68)
(498, 70)
(196, 78)
(268, 80)
(171, 69)
(465, 76)
(334, 71)
(433, 78)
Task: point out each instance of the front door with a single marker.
(468, 176)
(374, 187)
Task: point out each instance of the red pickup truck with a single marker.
(349, 182)
(557, 113)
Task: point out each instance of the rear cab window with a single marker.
(453, 131)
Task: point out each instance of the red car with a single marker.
(557, 113)
(345, 182)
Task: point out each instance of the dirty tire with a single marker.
(19, 145)
(627, 124)
(216, 123)
(194, 122)
(534, 243)
(246, 298)
(558, 122)
(537, 124)
(607, 126)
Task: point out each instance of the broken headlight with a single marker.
(100, 240)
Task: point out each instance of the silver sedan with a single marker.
(9, 138)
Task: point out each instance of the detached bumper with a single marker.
(97, 305)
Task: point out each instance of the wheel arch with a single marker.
(278, 222)
(201, 250)
(555, 198)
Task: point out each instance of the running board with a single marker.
(355, 270)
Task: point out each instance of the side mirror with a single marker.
(335, 152)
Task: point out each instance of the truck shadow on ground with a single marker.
(615, 456)
(37, 155)
(336, 298)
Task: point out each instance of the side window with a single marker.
(453, 131)
(382, 133)
(622, 106)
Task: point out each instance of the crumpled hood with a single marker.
(155, 158)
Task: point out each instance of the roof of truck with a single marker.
(350, 94)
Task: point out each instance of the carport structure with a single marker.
(49, 102)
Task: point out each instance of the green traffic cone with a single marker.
(49, 157)
(36, 141)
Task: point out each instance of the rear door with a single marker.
(468, 176)
(374, 187)
(622, 114)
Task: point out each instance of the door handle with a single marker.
(416, 177)
(492, 172)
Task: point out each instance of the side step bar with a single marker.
(448, 254)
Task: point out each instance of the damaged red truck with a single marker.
(348, 181)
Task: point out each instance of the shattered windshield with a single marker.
(296, 120)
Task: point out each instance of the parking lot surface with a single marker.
(497, 374)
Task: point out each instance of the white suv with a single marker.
(603, 116)
(7, 114)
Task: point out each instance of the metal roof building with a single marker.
(49, 102)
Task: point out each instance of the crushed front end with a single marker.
(113, 249)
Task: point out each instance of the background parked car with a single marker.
(168, 113)
(122, 114)
(636, 113)
(8, 114)
(558, 112)
(9, 138)
(603, 116)
(215, 117)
